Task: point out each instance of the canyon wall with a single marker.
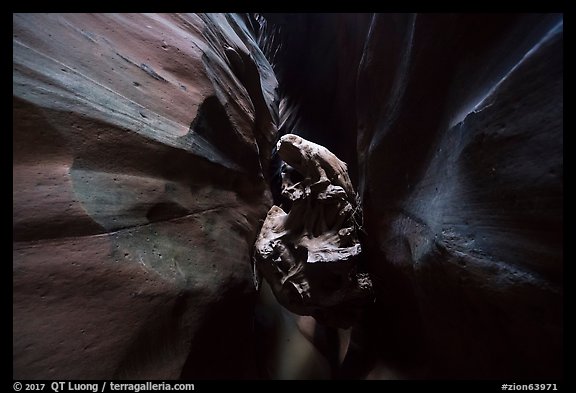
(138, 192)
(141, 155)
(457, 121)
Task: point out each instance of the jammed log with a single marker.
(310, 254)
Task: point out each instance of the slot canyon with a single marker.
(288, 196)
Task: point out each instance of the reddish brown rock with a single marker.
(138, 190)
(142, 141)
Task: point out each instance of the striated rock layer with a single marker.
(139, 148)
(458, 121)
(141, 153)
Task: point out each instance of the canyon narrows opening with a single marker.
(395, 180)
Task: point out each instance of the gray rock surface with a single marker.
(457, 124)
(141, 151)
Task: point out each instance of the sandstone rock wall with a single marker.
(139, 143)
(458, 126)
(141, 152)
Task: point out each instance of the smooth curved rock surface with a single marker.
(141, 152)
(462, 183)
(458, 120)
(139, 143)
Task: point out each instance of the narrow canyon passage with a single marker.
(144, 168)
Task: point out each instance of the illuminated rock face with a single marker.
(310, 255)
(140, 151)
(138, 146)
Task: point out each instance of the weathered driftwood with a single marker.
(309, 255)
